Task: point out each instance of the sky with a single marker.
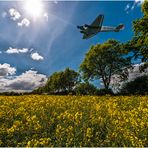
(38, 38)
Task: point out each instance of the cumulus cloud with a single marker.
(24, 22)
(134, 72)
(6, 70)
(15, 50)
(28, 81)
(36, 56)
(25, 82)
(14, 14)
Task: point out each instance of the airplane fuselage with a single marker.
(96, 30)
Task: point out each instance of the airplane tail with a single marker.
(119, 27)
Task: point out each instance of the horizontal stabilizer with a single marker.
(119, 27)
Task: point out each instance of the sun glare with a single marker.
(34, 8)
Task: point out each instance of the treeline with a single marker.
(102, 62)
(13, 93)
(69, 82)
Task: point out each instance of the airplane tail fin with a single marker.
(119, 27)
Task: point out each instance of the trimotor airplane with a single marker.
(89, 31)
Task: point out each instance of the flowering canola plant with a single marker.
(73, 121)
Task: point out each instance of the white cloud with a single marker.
(127, 7)
(24, 22)
(139, 1)
(0, 52)
(14, 14)
(25, 82)
(134, 72)
(136, 3)
(15, 50)
(6, 70)
(36, 56)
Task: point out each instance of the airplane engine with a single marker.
(86, 25)
(80, 27)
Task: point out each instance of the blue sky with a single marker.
(32, 48)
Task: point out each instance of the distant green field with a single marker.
(73, 121)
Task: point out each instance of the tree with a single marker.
(104, 60)
(139, 43)
(71, 79)
(62, 82)
(85, 89)
(137, 86)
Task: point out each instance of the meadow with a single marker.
(88, 121)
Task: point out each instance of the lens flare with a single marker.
(34, 8)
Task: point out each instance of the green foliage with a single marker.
(73, 121)
(139, 43)
(104, 60)
(85, 89)
(137, 86)
(62, 82)
(104, 91)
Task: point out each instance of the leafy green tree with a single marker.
(137, 86)
(71, 79)
(85, 89)
(54, 82)
(104, 60)
(63, 81)
(139, 43)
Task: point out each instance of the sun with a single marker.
(33, 8)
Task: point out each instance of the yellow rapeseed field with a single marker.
(88, 121)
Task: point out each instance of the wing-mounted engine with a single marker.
(80, 27)
(87, 25)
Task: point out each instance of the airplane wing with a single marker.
(94, 28)
(87, 36)
(98, 21)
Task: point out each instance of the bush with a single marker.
(86, 89)
(137, 86)
(104, 91)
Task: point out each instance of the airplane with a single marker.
(89, 31)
